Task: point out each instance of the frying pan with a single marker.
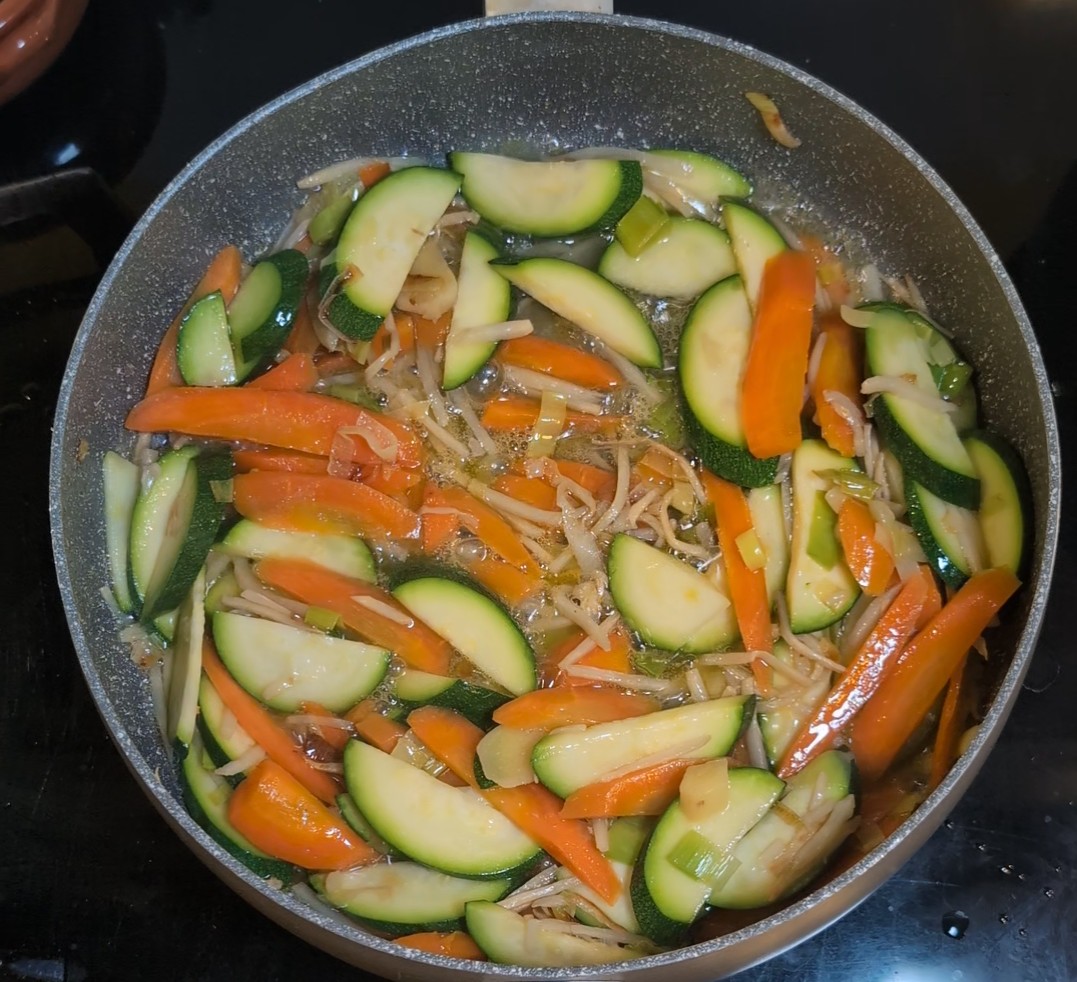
(544, 81)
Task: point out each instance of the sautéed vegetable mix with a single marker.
(540, 560)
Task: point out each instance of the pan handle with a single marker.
(494, 7)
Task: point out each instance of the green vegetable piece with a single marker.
(326, 225)
(953, 379)
(697, 856)
(641, 225)
(823, 536)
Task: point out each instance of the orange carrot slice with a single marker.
(223, 274)
(601, 483)
(291, 461)
(617, 659)
(302, 339)
(909, 690)
(536, 811)
(509, 583)
(282, 818)
(871, 565)
(449, 737)
(521, 413)
(648, 791)
(395, 628)
(296, 373)
(951, 719)
(530, 490)
(264, 729)
(335, 736)
(440, 523)
(840, 370)
(560, 360)
(370, 174)
(486, 523)
(773, 388)
(452, 944)
(547, 709)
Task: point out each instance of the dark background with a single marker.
(93, 885)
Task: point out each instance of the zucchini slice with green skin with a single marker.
(567, 760)
(403, 898)
(819, 587)
(755, 240)
(173, 525)
(263, 310)
(548, 198)
(509, 938)
(121, 482)
(351, 814)
(924, 440)
(783, 712)
(449, 829)
(936, 524)
(689, 256)
(380, 240)
(829, 779)
(222, 737)
(206, 796)
(1005, 500)
(285, 666)
(483, 297)
(204, 344)
(345, 554)
(412, 689)
(700, 176)
(187, 664)
(713, 353)
(589, 301)
(476, 626)
(768, 520)
(667, 899)
(668, 603)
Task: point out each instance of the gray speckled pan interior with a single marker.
(541, 82)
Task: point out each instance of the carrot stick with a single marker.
(840, 370)
(222, 274)
(876, 656)
(509, 583)
(933, 603)
(560, 360)
(335, 736)
(431, 334)
(830, 270)
(296, 373)
(440, 524)
(547, 709)
(521, 413)
(449, 737)
(536, 811)
(747, 587)
(452, 944)
(617, 659)
(405, 484)
(872, 566)
(313, 503)
(404, 635)
(908, 692)
(279, 460)
(530, 490)
(405, 332)
(648, 791)
(301, 421)
(773, 388)
(302, 339)
(374, 172)
(599, 482)
(951, 720)
(281, 817)
(487, 524)
(380, 731)
(263, 728)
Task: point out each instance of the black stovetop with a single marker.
(93, 885)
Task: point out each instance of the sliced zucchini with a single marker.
(768, 520)
(627, 836)
(351, 814)
(224, 586)
(512, 939)
(263, 310)
(589, 301)
(620, 911)
(712, 356)
(187, 664)
(344, 554)
(755, 240)
(686, 258)
(204, 344)
(1005, 500)
(222, 736)
(403, 898)
(285, 666)
(924, 440)
(701, 177)
(548, 198)
(121, 480)
(449, 829)
(173, 525)
(782, 713)
(939, 526)
(412, 688)
(483, 297)
(206, 796)
(505, 755)
(568, 759)
(819, 587)
(668, 603)
(943, 358)
(757, 880)
(665, 897)
(380, 240)
(476, 626)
